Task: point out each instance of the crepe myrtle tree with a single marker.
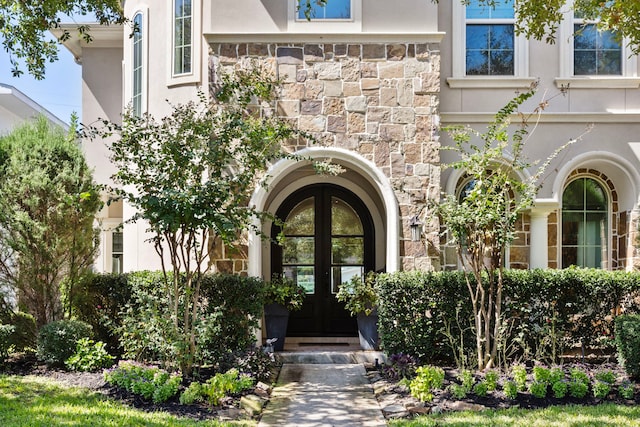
(190, 176)
(480, 222)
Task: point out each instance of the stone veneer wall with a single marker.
(379, 100)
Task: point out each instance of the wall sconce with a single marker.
(416, 228)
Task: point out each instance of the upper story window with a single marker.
(595, 52)
(333, 9)
(137, 77)
(182, 37)
(489, 39)
(334, 17)
(486, 52)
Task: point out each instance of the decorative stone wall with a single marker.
(379, 100)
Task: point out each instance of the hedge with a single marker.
(545, 311)
(130, 312)
(628, 343)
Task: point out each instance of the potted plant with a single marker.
(282, 295)
(361, 300)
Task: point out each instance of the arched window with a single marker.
(585, 211)
(138, 69)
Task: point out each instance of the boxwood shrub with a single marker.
(57, 340)
(628, 343)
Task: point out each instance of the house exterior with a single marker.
(373, 81)
(16, 108)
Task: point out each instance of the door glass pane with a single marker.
(298, 250)
(344, 274)
(344, 220)
(302, 275)
(347, 250)
(301, 220)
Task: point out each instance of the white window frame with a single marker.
(193, 76)
(143, 63)
(627, 79)
(302, 25)
(459, 79)
(112, 252)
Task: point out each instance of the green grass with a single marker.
(38, 402)
(605, 415)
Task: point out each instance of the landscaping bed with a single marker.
(229, 408)
(397, 402)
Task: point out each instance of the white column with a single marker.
(539, 237)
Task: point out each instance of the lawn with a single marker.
(34, 402)
(605, 415)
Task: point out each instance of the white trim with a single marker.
(494, 82)
(196, 46)
(319, 37)
(352, 25)
(459, 27)
(352, 161)
(598, 82)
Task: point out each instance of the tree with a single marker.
(481, 220)
(47, 210)
(190, 176)
(24, 26)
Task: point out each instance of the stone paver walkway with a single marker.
(314, 395)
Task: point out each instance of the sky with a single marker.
(60, 91)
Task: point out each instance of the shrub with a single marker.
(519, 373)
(556, 375)
(510, 389)
(97, 300)
(559, 389)
(547, 310)
(89, 356)
(601, 389)
(538, 389)
(5, 343)
(428, 378)
(217, 387)
(491, 378)
(400, 366)
(57, 340)
(578, 389)
(579, 375)
(541, 374)
(466, 378)
(257, 364)
(626, 389)
(627, 331)
(481, 389)
(458, 391)
(25, 333)
(149, 382)
(606, 376)
(230, 308)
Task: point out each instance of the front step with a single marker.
(332, 357)
(308, 344)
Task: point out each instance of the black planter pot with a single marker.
(276, 318)
(368, 331)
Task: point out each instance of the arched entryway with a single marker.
(328, 238)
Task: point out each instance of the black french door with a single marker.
(328, 239)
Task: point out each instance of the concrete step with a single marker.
(331, 357)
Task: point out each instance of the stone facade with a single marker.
(379, 100)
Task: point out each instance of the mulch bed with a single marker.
(27, 364)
